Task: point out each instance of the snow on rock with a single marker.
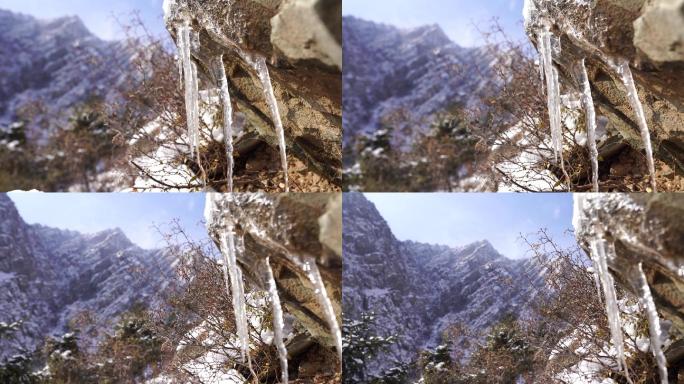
(53, 275)
(417, 290)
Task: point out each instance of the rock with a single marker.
(418, 290)
(659, 32)
(600, 31)
(49, 277)
(282, 226)
(646, 229)
(403, 78)
(301, 40)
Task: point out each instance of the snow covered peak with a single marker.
(418, 290)
(53, 275)
(57, 63)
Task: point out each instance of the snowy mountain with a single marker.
(418, 290)
(403, 77)
(48, 276)
(52, 66)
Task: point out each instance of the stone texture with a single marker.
(659, 32)
(609, 29)
(281, 226)
(305, 68)
(648, 229)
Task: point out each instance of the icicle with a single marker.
(191, 86)
(552, 91)
(625, 74)
(311, 269)
(237, 289)
(180, 70)
(599, 254)
(653, 322)
(265, 78)
(590, 113)
(227, 118)
(278, 323)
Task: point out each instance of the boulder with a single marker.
(301, 40)
(649, 34)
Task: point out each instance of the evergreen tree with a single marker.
(360, 346)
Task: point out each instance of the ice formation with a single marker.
(314, 276)
(625, 74)
(237, 290)
(590, 113)
(191, 85)
(265, 78)
(655, 331)
(177, 15)
(602, 249)
(227, 118)
(278, 323)
(537, 20)
(552, 90)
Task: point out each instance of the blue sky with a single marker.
(98, 15)
(135, 214)
(458, 18)
(459, 219)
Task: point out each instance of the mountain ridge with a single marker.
(51, 275)
(404, 77)
(48, 67)
(418, 290)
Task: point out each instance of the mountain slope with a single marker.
(403, 77)
(51, 66)
(48, 276)
(418, 290)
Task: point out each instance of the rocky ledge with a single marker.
(302, 42)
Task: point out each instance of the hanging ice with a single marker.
(265, 78)
(191, 85)
(227, 117)
(552, 90)
(237, 290)
(653, 322)
(600, 249)
(278, 323)
(314, 276)
(590, 113)
(625, 74)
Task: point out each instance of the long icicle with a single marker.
(190, 77)
(227, 118)
(203, 172)
(590, 114)
(267, 85)
(599, 249)
(655, 331)
(278, 323)
(625, 74)
(237, 289)
(552, 91)
(314, 275)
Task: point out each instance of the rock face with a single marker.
(647, 33)
(48, 276)
(645, 229)
(418, 290)
(401, 78)
(52, 66)
(302, 41)
(283, 228)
